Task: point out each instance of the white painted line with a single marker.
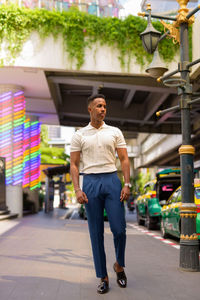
(167, 242)
(158, 237)
(176, 246)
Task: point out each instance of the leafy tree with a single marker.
(139, 181)
(44, 136)
(53, 155)
(79, 31)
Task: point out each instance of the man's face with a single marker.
(97, 109)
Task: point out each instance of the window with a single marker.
(197, 192)
(174, 196)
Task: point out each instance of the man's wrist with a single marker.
(77, 190)
(128, 184)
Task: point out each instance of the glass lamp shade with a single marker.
(150, 38)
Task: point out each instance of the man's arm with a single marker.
(125, 165)
(74, 170)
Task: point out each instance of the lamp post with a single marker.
(189, 246)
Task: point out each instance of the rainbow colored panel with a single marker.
(12, 115)
(35, 155)
(6, 126)
(32, 156)
(18, 135)
(26, 164)
(19, 142)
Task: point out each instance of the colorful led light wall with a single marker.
(26, 165)
(18, 135)
(6, 126)
(12, 116)
(19, 141)
(32, 154)
(35, 155)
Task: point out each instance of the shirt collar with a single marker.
(91, 127)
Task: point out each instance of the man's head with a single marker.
(97, 108)
(95, 96)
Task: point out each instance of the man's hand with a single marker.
(125, 193)
(81, 197)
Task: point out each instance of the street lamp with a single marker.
(178, 30)
(150, 36)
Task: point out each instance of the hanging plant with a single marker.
(79, 30)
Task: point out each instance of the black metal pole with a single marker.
(189, 247)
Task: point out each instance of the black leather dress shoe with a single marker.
(103, 287)
(121, 278)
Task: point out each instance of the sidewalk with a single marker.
(48, 257)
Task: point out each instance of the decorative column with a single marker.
(35, 155)
(31, 166)
(12, 116)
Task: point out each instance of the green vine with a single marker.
(79, 30)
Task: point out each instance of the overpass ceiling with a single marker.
(172, 158)
(132, 101)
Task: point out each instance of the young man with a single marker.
(96, 145)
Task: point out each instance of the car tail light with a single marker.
(198, 208)
(153, 195)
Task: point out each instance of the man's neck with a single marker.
(97, 125)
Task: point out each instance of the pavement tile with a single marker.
(49, 257)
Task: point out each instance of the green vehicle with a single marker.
(156, 193)
(171, 221)
(82, 213)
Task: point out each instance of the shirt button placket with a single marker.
(99, 144)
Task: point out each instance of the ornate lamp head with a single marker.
(150, 36)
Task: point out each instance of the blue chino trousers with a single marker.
(103, 191)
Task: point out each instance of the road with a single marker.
(49, 257)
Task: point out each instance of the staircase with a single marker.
(5, 215)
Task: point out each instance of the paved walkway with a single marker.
(48, 257)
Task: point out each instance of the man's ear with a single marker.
(89, 108)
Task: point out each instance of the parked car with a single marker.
(131, 203)
(156, 192)
(83, 214)
(171, 221)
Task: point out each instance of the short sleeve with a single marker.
(120, 141)
(75, 142)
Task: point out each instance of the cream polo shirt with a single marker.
(98, 148)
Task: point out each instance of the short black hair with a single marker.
(95, 96)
